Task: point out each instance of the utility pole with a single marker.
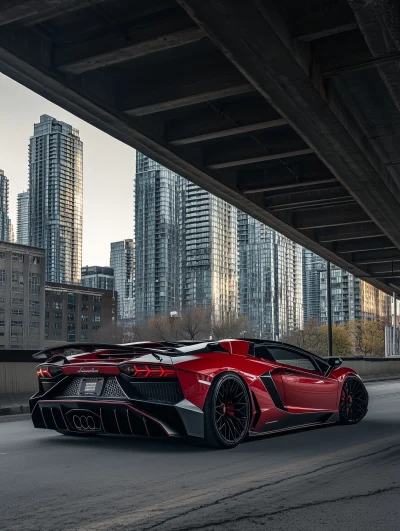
(329, 306)
(394, 323)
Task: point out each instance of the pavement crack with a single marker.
(286, 510)
(267, 485)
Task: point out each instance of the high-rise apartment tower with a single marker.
(55, 198)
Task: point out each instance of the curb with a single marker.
(380, 379)
(14, 410)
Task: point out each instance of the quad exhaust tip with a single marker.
(84, 422)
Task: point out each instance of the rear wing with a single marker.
(63, 350)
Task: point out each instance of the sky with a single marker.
(108, 169)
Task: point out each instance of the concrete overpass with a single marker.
(288, 110)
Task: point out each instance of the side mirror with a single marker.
(334, 362)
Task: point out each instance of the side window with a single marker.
(289, 357)
(260, 351)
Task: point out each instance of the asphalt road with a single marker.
(332, 478)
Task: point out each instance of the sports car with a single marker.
(216, 393)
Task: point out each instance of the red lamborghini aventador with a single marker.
(216, 393)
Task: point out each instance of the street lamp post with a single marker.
(394, 322)
(329, 306)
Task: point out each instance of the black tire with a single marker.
(226, 412)
(353, 402)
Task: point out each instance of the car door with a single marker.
(305, 388)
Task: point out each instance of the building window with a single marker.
(95, 327)
(34, 308)
(84, 298)
(84, 307)
(57, 315)
(17, 257)
(71, 317)
(71, 307)
(57, 305)
(17, 311)
(84, 337)
(96, 318)
(34, 259)
(2, 255)
(71, 297)
(58, 326)
(84, 327)
(84, 318)
(97, 298)
(96, 308)
(34, 283)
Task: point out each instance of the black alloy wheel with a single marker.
(353, 404)
(227, 412)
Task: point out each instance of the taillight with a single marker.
(48, 371)
(140, 370)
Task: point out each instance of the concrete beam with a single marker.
(188, 94)
(114, 49)
(330, 216)
(363, 65)
(255, 37)
(308, 198)
(379, 22)
(384, 270)
(312, 21)
(262, 158)
(229, 132)
(35, 11)
(348, 233)
(292, 185)
(364, 244)
(332, 29)
(376, 257)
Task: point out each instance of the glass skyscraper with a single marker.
(186, 245)
(122, 261)
(56, 196)
(98, 277)
(210, 268)
(158, 233)
(270, 279)
(5, 223)
(312, 266)
(352, 298)
(23, 218)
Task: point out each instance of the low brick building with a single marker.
(75, 313)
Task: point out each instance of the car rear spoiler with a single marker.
(51, 352)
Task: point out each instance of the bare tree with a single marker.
(112, 333)
(195, 323)
(163, 327)
(229, 326)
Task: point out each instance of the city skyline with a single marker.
(105, 160)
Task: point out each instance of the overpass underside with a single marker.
(288, 109)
